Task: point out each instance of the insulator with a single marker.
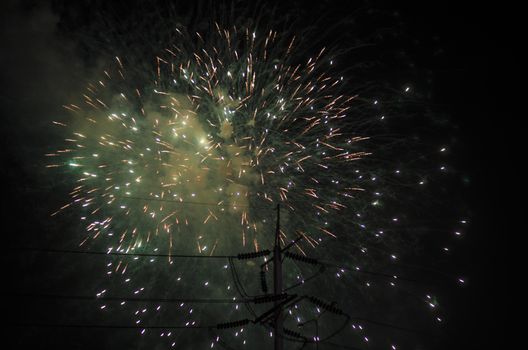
(326, 306)
(293, 333)
(232, 324)
(301, 258)
(253, 255)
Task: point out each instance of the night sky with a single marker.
(450, 57)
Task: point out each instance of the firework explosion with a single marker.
(193, 156)
(228, 128)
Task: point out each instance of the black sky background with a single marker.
(466, 50)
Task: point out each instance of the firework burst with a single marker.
(228, 126)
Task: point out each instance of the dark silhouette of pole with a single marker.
(277, 286)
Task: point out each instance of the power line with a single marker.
(246, 298)
(68, 251)
(70, 325)
(188, 300)
(209, 204)
(374, 273)
(238, 256)
(179, 202)
(131, 299)
(388, 325)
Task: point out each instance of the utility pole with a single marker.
(277, 286)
